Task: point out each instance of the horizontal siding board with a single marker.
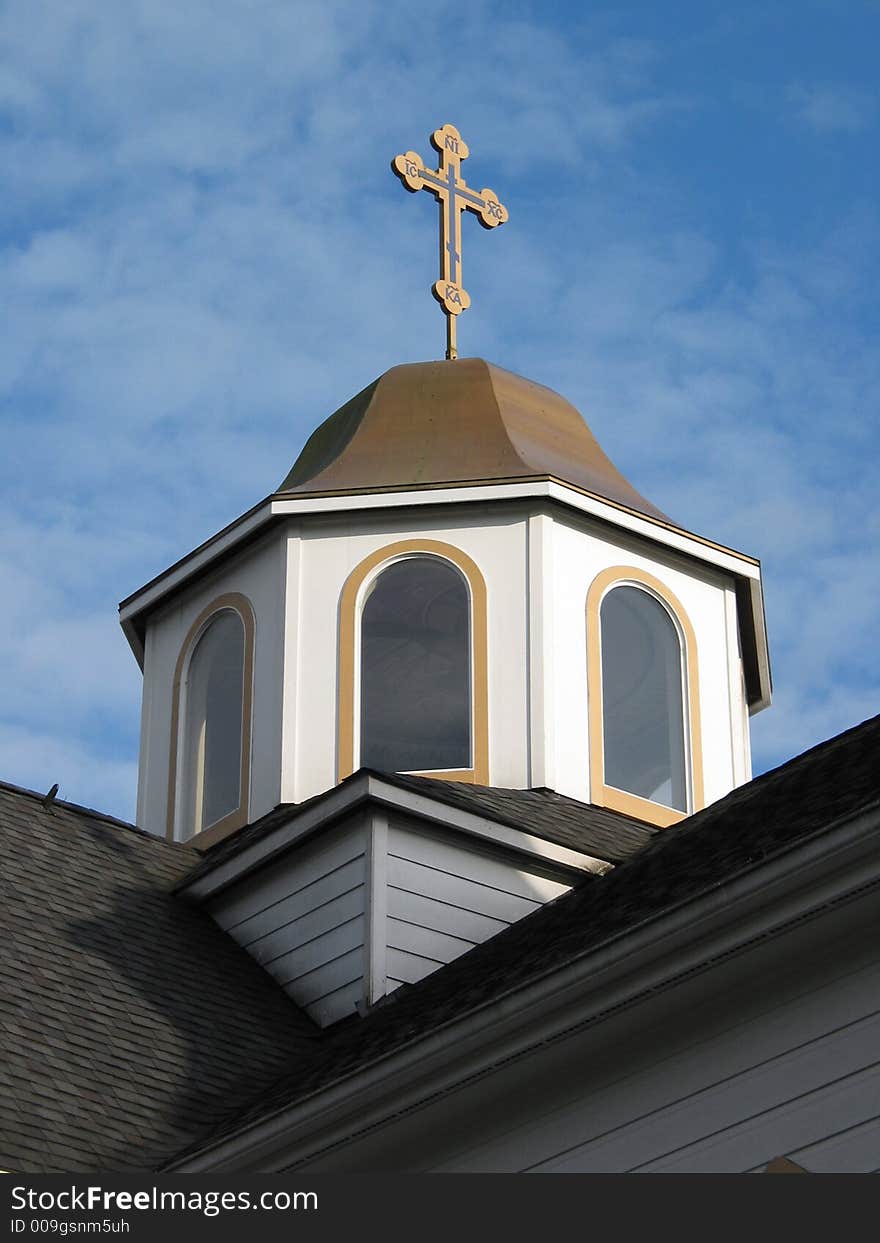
(307, 898)
(425, 942)
(311, 924)
(854, 1099)
(286, 876)
(336, 1005)
(313, 957)
(731, 1104)
(459, 891)
(409, 968)
(442, 916)
(496, 872)
(855, 1150)
(612, 1101)
(347, 969)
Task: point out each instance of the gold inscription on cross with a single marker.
(454, 196)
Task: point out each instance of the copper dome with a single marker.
(465, 421)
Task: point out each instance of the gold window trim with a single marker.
(349, 634)
(237, 603)
(609, 796)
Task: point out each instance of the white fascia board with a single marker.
(281, 506)
(338, 802)
(315, 815)
(832, 867)
(193, 563)
(435, 811)
(286, 507)
(546, 489)
(739, 565)
(135, 641)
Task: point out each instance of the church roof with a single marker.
(604, 834)
(753, 825)
(466, 421)
(131, 1025)
(126, 1015)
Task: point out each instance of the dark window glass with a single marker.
(642, 698)
(415, 669)
(214, 692)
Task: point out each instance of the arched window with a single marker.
(415, 709)
(642, 719)
(413, 684)
(210, 765)
(644, 712)
(212, 733)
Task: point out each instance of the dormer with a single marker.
(455, 581)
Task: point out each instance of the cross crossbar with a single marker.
(454, 196)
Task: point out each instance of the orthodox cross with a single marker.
(454, 196)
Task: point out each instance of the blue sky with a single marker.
(203, 252)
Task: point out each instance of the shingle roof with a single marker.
(130, 1025)
(608, 835)
(832, 782)
(556, 817)
(128, 1021)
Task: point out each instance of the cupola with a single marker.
(453, 580)
(454, 665)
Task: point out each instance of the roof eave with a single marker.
(365, 787)
(136, 608)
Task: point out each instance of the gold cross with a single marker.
(454, 197)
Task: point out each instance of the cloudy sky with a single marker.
(203, 252)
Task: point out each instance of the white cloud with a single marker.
(832, 109)
(203, 253)
(40, 759)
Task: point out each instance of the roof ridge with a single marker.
(750, 788)
(80, 809)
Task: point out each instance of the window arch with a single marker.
(413, 693)
(209, 772)
(645, 753)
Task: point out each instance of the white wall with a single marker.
(538, 571)
(442, 899)
(376, 901)
(538, 567)
(258, 573)
(327, 553)
(303, 920)
(579, 551)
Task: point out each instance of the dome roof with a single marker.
(465, 421)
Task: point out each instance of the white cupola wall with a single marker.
(454, 581)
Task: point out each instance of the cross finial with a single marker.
(454, 196)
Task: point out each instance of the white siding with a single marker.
(308, 919)
(443, 899)
(302, 918)
(780, 1067)
(806, 1091)
(774, 1052)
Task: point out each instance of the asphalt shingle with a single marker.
(834, 781)
(132, 1028)
(128, 1020)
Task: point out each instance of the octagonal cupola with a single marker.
(452, 580)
